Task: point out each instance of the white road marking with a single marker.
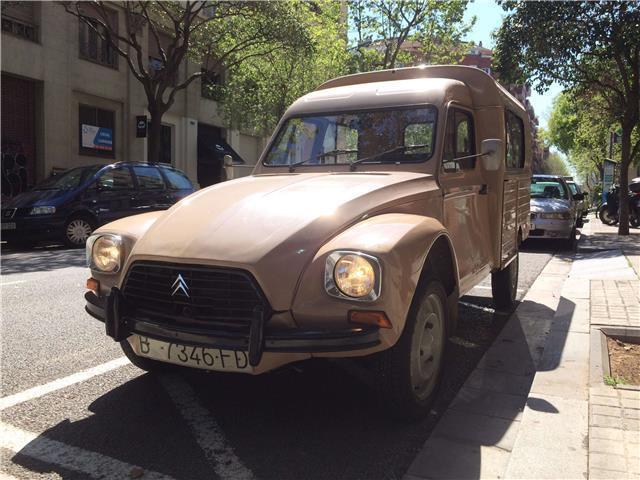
(12, 283)
(205, 429)
(54, 452)
(40, 390)
(477, 307)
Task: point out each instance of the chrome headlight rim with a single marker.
(332, 288)
(117, 239)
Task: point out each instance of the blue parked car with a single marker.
(70, 205)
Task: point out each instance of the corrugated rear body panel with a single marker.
(509, 221)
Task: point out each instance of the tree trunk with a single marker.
(154, 135)
(623, 226)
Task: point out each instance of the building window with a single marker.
(97, 131)
(19, 18)
(93, 47)
(211, 85)
(515, 141)
(155, 53)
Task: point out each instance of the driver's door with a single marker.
(115, 194)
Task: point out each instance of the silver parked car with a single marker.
(554, 209)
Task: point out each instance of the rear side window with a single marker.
(515, 141)
(177, 180)
(149, 178)
(116, 179)
(459, 142)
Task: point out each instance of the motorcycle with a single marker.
(609, 211)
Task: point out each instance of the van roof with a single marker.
(484, 90)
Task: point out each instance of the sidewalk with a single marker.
(536, 406)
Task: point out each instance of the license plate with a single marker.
(197, 357)
(9, 226)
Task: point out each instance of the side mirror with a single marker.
(491, 151)
(578, 196)
(228, 160)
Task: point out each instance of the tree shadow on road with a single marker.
(40, 259)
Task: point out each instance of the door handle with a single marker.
(484, 189)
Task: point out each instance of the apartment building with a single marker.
(69, 100)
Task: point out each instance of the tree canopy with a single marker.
(383, 27)
(591, 48)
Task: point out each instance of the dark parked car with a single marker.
(70, 205)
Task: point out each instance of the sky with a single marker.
(488, 18)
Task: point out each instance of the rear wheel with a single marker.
(504, 285)
(143, 363)
(77, 230)
(409, 372)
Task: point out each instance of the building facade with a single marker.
(69, 100)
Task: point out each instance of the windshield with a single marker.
(573, 187)
(68, 180)
(548, 188)
(399, 135)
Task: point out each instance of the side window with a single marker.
(459, 142)
(515, 141)
(116, 179)
(177, 181)
(149, 178)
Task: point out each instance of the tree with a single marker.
(217, 35)
(382, 27)
(592, 48)
(259, 90)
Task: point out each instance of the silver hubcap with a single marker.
(78, 231)
(426, 348)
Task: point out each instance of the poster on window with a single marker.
(97, 138)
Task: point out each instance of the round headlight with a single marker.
(354, 276)
(106, 252)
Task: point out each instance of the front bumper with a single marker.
(37, 227)
(262, 338)
(544, 228)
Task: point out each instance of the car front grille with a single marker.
(193, 296)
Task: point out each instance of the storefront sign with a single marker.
(141, 126)
(97, 138)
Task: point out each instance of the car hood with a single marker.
(549, 205)
(37, 197)
(272, 225)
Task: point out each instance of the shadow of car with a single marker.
(70, 205)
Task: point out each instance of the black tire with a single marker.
(504, 285)
(634, 220)
(606, 217)
(571, 241)
(407, 381)
(77, 229)
(146, 364)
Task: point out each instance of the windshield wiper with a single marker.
(341, 151)
(370, 158)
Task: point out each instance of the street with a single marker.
(316, 420)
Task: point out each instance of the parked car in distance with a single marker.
(71, 205)
(554, 212)
(380, 200)
(581, 205)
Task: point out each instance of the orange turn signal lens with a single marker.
(368, 317)
(93, 285)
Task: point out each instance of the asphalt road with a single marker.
(315, 420)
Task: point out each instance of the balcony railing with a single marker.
(20, 28)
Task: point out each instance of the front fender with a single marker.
(130, 229)
(401, 242)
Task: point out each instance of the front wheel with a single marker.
(409, 372)
(634, 220)
(77, 230)
(504, 285)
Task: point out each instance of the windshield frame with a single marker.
(413, 106)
